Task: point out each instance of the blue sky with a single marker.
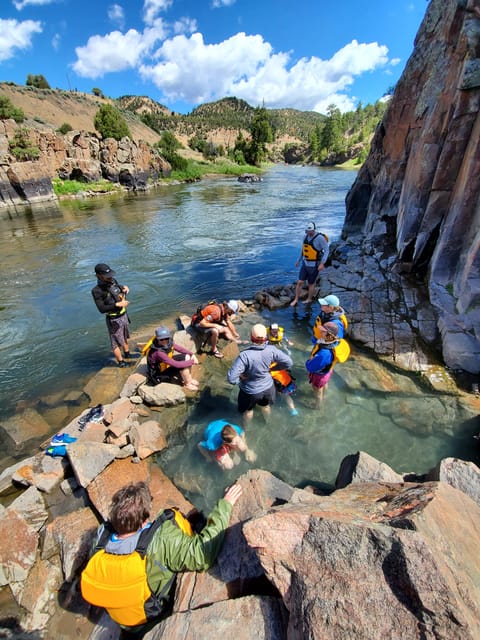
(303, 54)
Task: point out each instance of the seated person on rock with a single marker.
(134, 561)
(168, 361)
(220, 439)
(213, 319)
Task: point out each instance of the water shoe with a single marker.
(62, 438)
(293, 412)
(61, 450)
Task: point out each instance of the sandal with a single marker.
(217, 353)
(191, 387)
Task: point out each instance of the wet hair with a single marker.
(228, 433)
(130, 507)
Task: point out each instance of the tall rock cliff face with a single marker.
(408, 271)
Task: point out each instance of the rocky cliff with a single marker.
(408, 269)
(78, 155)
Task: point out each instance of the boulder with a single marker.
(463, 475)
(244, 618)
(147, 438)
(362, 467)
(414, 567)
(88, 459)
(164, 394)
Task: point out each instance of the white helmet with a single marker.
(233, 304)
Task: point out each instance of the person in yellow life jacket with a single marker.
(312, 259)
(285, 385)
(328, 350)
(168, 361)
(276, 335)
(132, 570)
(330, 311)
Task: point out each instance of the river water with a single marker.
(175, 248)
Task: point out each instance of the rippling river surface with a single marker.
(176, 248)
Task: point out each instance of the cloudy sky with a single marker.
(303, 54)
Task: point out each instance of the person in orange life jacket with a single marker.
(251, 370)
(110, 298)
(331, 311)
(214, 320)
(312, 258)
(136, 594)
(284, 383)
(163, 364)
(321, 361)
(220, 439)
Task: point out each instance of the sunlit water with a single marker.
(176, 248)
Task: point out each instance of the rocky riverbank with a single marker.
(381, 552)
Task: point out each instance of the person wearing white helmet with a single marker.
(251, 371)
(213, 319)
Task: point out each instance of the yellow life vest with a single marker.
(308, 250)
(277, 338)
(318, 323)
(341, 352)
(147, 346)
(119, 583)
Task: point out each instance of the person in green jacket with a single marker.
(132, 570)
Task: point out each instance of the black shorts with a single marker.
(247, 401)
(309, 274)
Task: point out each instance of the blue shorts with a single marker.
(308, 273)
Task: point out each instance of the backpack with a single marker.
(119, 583)
(197, 316)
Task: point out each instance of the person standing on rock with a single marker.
(312, 259)
(251, 370)
(111, 299)
(132, 570)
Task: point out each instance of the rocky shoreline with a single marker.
(295, 564)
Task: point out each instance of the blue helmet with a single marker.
(162, 333)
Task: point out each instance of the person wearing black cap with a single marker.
(312, 258)
(110, 298)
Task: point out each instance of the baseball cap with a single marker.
(274, 326)
(310, 226)
(330, 300)
(102, 269)
(258, 333)
(233, 304)
(331, 327)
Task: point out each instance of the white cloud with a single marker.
(56, 41)
(151, 9)
(184, 25)
(216, 4)
(19, 4)
(116, 51)
(16, 35)
(245, 66)
(116, 15)
(195, 72)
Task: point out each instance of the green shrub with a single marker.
(37, 81)
(65, 128)
(21, 147)
(7, 110)
(110, 123)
